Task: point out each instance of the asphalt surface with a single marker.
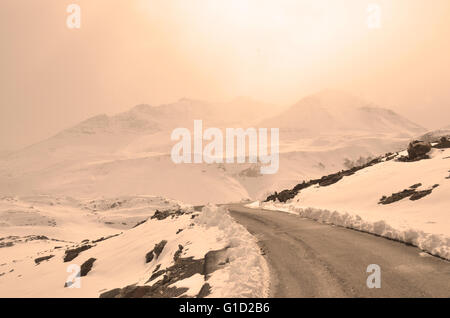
(310, 259)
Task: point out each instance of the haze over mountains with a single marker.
(330, 112)
(129, 153)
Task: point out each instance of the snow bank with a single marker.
(434, 244)
(247, 274)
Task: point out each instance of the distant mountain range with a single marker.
(129, 153)
(330, 112)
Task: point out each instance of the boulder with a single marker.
(418, 149)
(87, 266)
(443, 143)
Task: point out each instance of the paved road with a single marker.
(309, 259)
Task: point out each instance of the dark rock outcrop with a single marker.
(182, 269)
(177, 254)
(105, 238)
(161, 215)
(204, 291)
(6, 244)
(443, 143)
(140, 223)
(420, 194)
(325, 181)
(111, 293)
(43, 258)
(155, 252)
(397, 196)
(412, 193)
(418, 150)
(73, 253)
(87, 266)
(156, 274)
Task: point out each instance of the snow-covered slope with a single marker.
(129, 153)
(330, 112)
(124, 242)
(435, 135)
(323, 130)
(419, 213)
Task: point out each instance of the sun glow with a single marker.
(264, 39)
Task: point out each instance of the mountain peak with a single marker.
(332, 98)
(333, 111)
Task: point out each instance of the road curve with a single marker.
(310, 259)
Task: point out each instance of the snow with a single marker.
(248, 272)
(194, 283)
(120, 260)
(353, 203)
(129, 153)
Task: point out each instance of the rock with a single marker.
(204, 291)
(156, 251)
(159, 248)
(329, 180)
(105, 238)
(41, 259)
(149, 257)
(7, 244)
(286, 195)
(111, 294)
(177, 254)
(412, 193)
(420, 194)
(161, 215)
(397, 196)
(134, 291)
(443, 143)
(418, 149)
(140, 223)
(87, 266)
(182, 269)
(73, 253)
(157, 274)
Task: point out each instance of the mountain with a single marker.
(330, 112)
(129, 153)
(147, 119)
(325, 131)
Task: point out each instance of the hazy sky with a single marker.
(129, 52)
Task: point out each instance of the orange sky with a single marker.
(154, 51)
